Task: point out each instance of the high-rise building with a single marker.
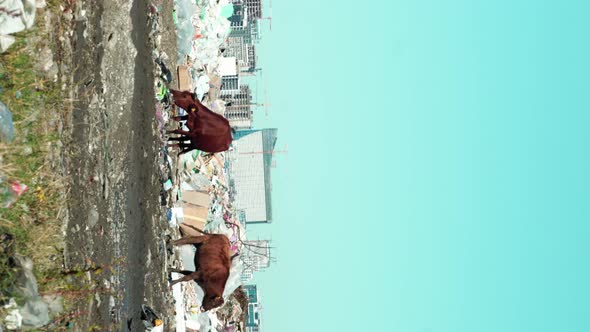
(254, 9)
(241, 44)
(245, 53)
(230, 85)
(237, 47)
(249, 167)
(238, 109)
(255, 256)
(254, 309)
(239, 19)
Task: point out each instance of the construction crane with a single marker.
(266, 104)
(272, 152)
(269, 18)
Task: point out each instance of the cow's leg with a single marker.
(184, 272)
(192, 276)
(190, 240)
(186, 149)
(180, 118)
(179, 138)
(181, 146)
(178, 132)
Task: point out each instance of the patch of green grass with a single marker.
(35, 103)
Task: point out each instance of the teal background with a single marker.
(437, 169)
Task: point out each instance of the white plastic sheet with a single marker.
(15, 16)
(185, 9)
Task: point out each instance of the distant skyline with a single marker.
(437, 175)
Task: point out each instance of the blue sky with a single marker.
(437, 173)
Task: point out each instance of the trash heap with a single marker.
(195, 190)
(199, 173)
(202, 29)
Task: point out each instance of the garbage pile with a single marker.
(195, 190)
(202, 29)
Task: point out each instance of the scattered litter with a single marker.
(150, 320)
(168, 185)
(6, 124)
(13, 321)
(35, 312)
(16, 16)
(195, 186)
(10, 191)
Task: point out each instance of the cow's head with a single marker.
(212, 302)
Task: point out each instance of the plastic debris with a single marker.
(10, 191)
(16, 16)
(35, 312)
(5, 42)
(13, 321)
(150, 320)
(162, 90)
(6, 124)
(202, 86)
(166, 75)
(184, 26)
(202, 31)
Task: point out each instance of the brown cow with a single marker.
(208, 131)
(212, 263)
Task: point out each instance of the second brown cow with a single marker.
(212, 264)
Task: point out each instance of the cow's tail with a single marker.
(198, 230)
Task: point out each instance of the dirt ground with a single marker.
(116, 224)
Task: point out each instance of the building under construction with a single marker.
(249, 167)
(254, 9)
(255, 256)
(245, 53)
(238, 109)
